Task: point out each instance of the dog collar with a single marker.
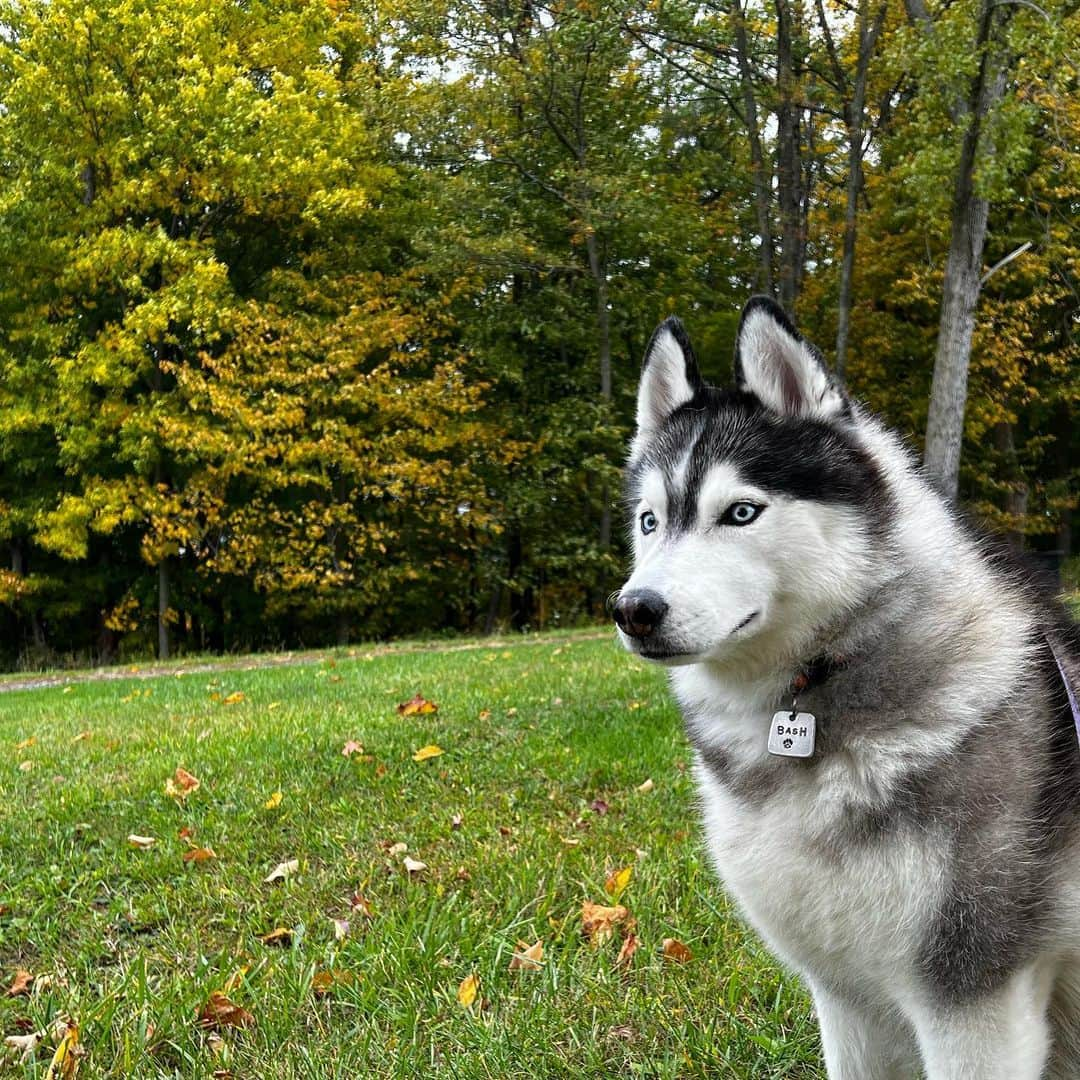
(817, 672)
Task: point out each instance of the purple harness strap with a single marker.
(1068, 687)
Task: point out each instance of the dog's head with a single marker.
(752, 510)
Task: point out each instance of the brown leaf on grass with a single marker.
(141, 842)
(677, 951)
(199, 854)
(598, 806)
(617, 881)
(466, 991)
(528, 957)
(219, 1012)
(626, 953)
(65, 1062)
(323, 982)
(181, 784)
(281, 935)
(418, 705)
(362, 905)
(425, 752)
(598, 922)
(282, 871)
(21, 984)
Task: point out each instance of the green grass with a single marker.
(533, 733)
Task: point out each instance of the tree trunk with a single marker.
(598, 268)
(163, 610)
(762, 180)
(788, 172)
(963, 270)
(1016, 494)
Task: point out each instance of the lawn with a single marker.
(538, 799)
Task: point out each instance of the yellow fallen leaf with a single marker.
(282, 871)
(528, 957)
(646, 786)
(65, 1062)
(677, 951)
(617, 881)
(234, 698)
(282, 935)
(235, 979)
(141, 842)
(274, 801)
(26, 743)
(466, 991)
(82, 736)
(417, 705)
(323, 982)
(425, 752)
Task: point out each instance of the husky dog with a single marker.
(917, 856)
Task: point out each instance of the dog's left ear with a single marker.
(669, 379)
(784, 372)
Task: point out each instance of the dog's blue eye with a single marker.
(740, 513)
(648, 522)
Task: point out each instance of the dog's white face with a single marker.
(749, 510)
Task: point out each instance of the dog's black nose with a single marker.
(639, 613)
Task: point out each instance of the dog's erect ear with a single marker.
(669, 378)
(784, 372)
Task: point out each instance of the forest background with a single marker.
(322, 321)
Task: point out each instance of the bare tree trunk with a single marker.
(598, 268)
(788, 172)
(762, 179)
(963, 270)
(1016, 494)
(163, 610)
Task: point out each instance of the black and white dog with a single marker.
(881, 713)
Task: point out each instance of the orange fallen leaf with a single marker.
(21, 984)
(65, 1062)
(185, 833)
(417, 705)
(233, 698)
(181, 784)
(282, 935)
(528, 957)
(626, 953)
(677, 951)
(425, 752)
(466, 991)
(26, 743)
(598, 922)
(617, 881)
(219, 1012)
(485, 714)
(199, 854)
(282, 871)
(323, 982)
(141, 842)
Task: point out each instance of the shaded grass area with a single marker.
(533, 735)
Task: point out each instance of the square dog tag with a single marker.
(791, 734)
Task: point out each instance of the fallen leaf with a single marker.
(414, 866)
(274, 801)
(466, 991)
(417, 705)
(141, 842)
(341, 929)
(323, 982)
(569, 841)
(199, 854)
(82, 736)
(425, 752)
(26, 743)
(626, 953)
(598, 806)
(485, 714)
(181, 784)
(236, 978)
(185, 833)
(617, 881)
(282, 871)
(26, 1045)
(512, 711)
(21, 984)
(646, 785)
(455, 822)
(234, 698)
(352, 747)
(219, 1012)
(528, 957)
(397, 849)
(282, 935)
(65, 1062)
(361, 904)
(598, 922)
(677, 951)
(25, 766)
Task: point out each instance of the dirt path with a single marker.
(259, 661)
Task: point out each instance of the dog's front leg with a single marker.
(1004, 1035)
(861, 1043)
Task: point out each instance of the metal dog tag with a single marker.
(791, 734)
